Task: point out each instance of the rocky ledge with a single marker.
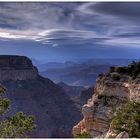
(98, 112)
(14, 67)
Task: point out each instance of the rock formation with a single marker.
(108, 95)
(83, 97)
(16, 68)
(71, 91)
(55, 112)
(122, 135)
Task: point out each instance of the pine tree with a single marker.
(17, 126)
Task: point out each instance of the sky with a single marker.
(59, 31)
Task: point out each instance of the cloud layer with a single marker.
(104, 23)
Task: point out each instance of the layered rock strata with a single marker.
(16, 68)
(98, 112)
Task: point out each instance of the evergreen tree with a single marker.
(17, 126)
(127, 118)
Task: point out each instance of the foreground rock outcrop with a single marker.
(54, 111)
(109, 94)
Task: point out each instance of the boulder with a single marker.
(122, 135)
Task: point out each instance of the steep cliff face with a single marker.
(83, 97)
(16, 68)
(98, 111)
(71, 91)
(55, 112)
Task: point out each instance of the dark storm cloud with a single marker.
(107, 23)
(36, 15)
(129, 10)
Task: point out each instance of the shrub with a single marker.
(121, 70)
(83, 135)
(127, 118)
(101, 75)
(115, 76)
(134, 69)
(112, 69)
(104, 99)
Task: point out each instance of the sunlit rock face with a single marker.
(55, 113)
(98, 112)
(16, 68)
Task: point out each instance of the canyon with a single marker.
(57, 107)
(55, 113)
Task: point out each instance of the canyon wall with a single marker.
(98, 112)
(55, 113)
(16, 68)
